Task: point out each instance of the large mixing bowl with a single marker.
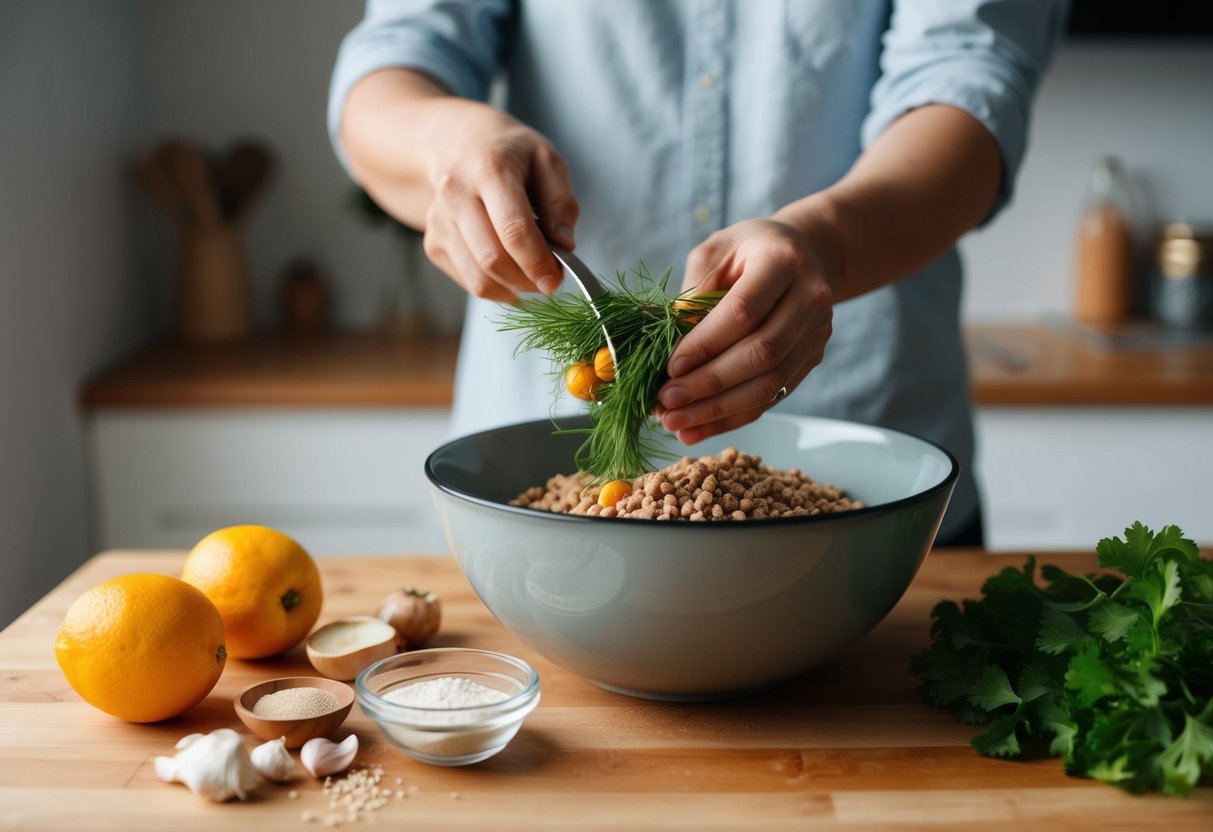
(682, 610)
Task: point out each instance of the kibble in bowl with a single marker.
(694, 610)
(727, 486)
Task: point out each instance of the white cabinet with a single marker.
(341, 481)
(1065, 477)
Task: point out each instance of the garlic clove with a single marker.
(273, 761)
(215, 766)
(188, 740)
(323, 757)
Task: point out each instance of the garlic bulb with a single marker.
(215, 766)
(273, 761)
(414, 614)
(323, 757)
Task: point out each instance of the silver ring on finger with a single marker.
(780, 394)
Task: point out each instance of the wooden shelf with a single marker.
(1009, 366)
(344, 369)
(1045, 366)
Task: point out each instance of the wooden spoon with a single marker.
(158, 184)
(242, 175)
(195, 181)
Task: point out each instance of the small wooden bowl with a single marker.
(296, 731)
(378, 642)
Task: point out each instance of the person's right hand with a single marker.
(491, 177)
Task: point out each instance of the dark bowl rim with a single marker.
(781, 522)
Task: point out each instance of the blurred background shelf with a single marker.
(341, 369)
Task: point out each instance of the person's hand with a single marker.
(491, 176)
(763, 337)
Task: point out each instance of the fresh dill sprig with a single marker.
(645, 325)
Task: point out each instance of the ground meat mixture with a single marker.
(731, 486)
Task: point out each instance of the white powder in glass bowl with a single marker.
(451, 720)
(446, 692)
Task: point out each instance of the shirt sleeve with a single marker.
(985, 57)
(459, 43)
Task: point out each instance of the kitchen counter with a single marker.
(846, 746)
(1059, 366)
(1011, 365)
(341, 369)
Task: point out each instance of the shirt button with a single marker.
(702, 212)
(706, 81)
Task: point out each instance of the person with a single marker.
(819, 159)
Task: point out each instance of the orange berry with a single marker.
(689, 311)
(604, 365)
(613, 492)
(582, 382)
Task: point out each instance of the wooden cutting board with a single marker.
(847, 746)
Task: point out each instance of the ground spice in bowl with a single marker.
(296, 703)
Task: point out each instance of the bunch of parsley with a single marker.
(1113, 672)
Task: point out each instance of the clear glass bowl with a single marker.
(449, 736)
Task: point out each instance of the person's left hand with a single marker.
(764, 335)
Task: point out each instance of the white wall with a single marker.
(1149, 103)
(69, 299)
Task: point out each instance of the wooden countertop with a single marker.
(846, 746)
(1010, 366)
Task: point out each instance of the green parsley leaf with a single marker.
(1158, 588)
(1184, 760)
(998, 739)
(1112, 620)
(1035, 682)
(1059, 632)
(993, 689)
(1115, 671)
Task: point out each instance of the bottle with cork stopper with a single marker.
(1103, 257)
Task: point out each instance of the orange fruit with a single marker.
(142, 647)
(604, 365)
(580, 380)
(265, 585)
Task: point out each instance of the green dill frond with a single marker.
(645, 326)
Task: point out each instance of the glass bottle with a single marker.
(1103, 256)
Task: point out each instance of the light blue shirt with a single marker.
(680, 117)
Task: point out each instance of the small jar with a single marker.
(1181, 291)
